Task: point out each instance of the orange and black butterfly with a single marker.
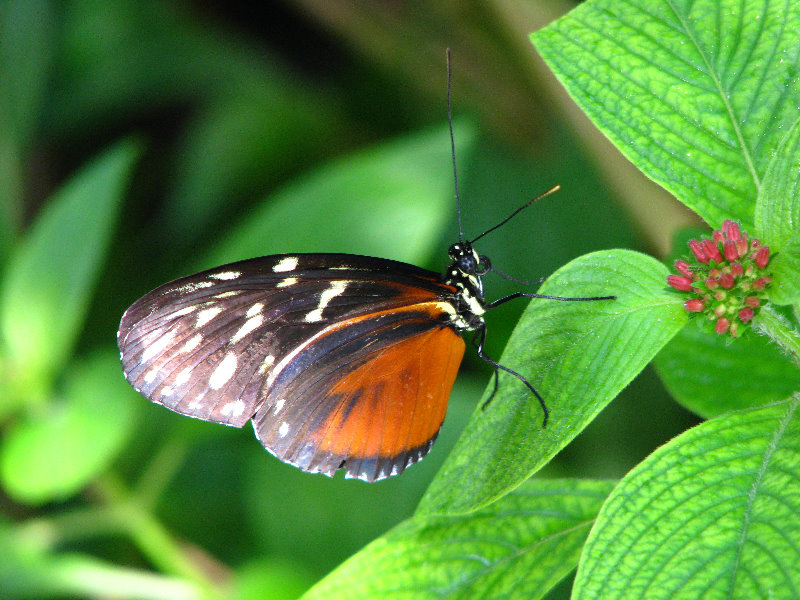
(341, 361)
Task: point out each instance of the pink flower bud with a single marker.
(731, 229)
(760, 283)
(737, 270)
(726, 281)
(721, 326)
(683, 268)
(711, 250)
(752, 302)
(694, 305)
(741, 247)
(698, 251)
(718, 236)
(731, 253)
(746, 315)
(712, 283)
(680, 283)
(762, 257)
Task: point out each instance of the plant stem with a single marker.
(153, 540)
(779, 330)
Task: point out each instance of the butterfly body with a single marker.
(341, 361)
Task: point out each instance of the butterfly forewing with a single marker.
(290, 339)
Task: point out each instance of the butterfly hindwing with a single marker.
(368, 397)
(231, 342)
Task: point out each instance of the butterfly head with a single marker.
(468, 261)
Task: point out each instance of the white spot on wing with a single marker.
(223, 372)
(283, 429)
(196, 402)
(191, 287)
(337, 287)
(204, 316)
(287, 282)
(286, 264)
(233, 409)
(269, 360)
(183, 376)
(184, 311)
(279, 406)
(227, 294)
(226, 275)
(151, 375)
(167, 391)
(157, 346)
(192, 343)
(249, 325)
(255, 309)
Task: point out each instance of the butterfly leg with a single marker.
(478, 341)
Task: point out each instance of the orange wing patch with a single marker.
(396, 403)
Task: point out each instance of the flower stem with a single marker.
(774, 325)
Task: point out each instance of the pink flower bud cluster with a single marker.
(725, 278)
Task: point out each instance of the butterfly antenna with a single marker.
(453, 143)
(514, 279)
(552, 190)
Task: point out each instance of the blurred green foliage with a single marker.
(140, 141)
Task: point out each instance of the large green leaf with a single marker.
(579, 355)
(711, 374)
(393, 199)
(778, 208)
(51, 454)
(712, 514)
(518, 547)
(778, 218)
(696, 93)
(785, 271)
(48, 284)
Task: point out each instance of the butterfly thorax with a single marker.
(464, 273)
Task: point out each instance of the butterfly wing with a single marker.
(368, 395)
(299, 331)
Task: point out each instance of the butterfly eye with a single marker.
(467, 263)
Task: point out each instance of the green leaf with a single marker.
(778, 218)
(578, 355)
(778, 204)
(711, 514)
(696, 93)
(48, 284)
(711, 374)
(785, 271)
(403, 186)
(272, 578)
(54, 454)
(518, 547)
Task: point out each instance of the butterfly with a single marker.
(340, 361)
